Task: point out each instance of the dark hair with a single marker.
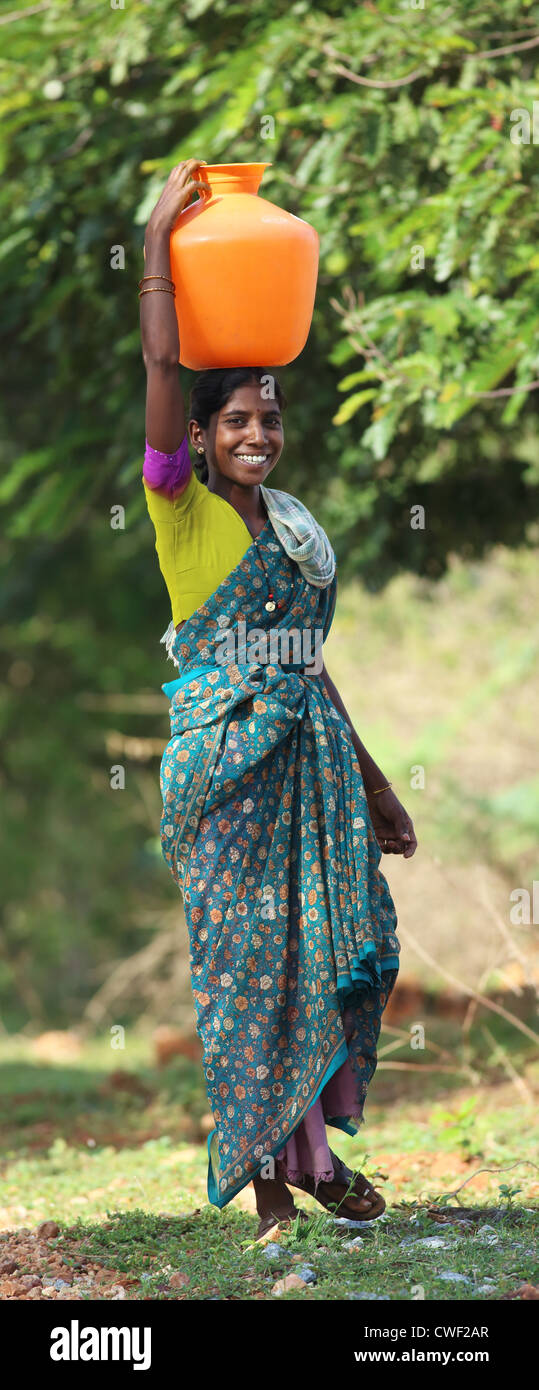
(211, 391)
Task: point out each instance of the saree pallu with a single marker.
(267, 833)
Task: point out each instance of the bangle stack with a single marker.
(154, 288)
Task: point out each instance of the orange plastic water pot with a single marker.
(245, 274)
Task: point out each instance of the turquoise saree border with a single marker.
(170, 687)
(360, 975)
(342, 1122)
(213, 1194)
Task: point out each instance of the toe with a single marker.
(360, 1203)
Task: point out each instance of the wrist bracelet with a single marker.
(155, 277)
(157, 289)
(382, 789)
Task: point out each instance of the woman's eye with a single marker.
(238, 420)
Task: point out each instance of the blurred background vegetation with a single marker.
(393, 129)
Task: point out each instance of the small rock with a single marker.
(275, 1252)
(345, 1221)
(431, 1243)
(8, 1267)
(61, 1284)
(454, 1278)
(178, 1281)
(356, 1244)
(306, 1273)
(487, 1234)
(290, 1281)
(117, 1291)
(48, 1230)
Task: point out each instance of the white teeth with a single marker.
(252, 458)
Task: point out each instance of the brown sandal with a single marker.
(355, 1184)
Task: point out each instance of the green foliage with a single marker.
(386, 411)
(413, 162)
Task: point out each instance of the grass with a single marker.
(123, 1172)
(213, 1249)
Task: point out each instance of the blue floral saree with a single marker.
(266, 831)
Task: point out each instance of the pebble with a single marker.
(454, 1278)
(487, 1234)
(306, 1273)
(48, 1230)
(290, 1281)
(344, 1221)
(273, 1252)
(356, 1244)
(427, 1243)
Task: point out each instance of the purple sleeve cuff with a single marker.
(167, 473)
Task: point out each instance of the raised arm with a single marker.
(165, 414)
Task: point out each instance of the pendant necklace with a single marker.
(271, 603)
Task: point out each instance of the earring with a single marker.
(200, 451)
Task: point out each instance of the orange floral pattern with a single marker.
(267, 832)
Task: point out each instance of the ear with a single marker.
(196, 435)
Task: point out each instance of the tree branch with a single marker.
(473, 993)
(510, 48)
(394, 82)
(508, 390)
(22, 14)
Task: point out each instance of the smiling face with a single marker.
(244, 438)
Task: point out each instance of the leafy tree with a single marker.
(400, 133)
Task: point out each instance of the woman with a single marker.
(273, 810)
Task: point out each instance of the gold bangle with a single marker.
(155, 277)
(382, 789)
(157, 289)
